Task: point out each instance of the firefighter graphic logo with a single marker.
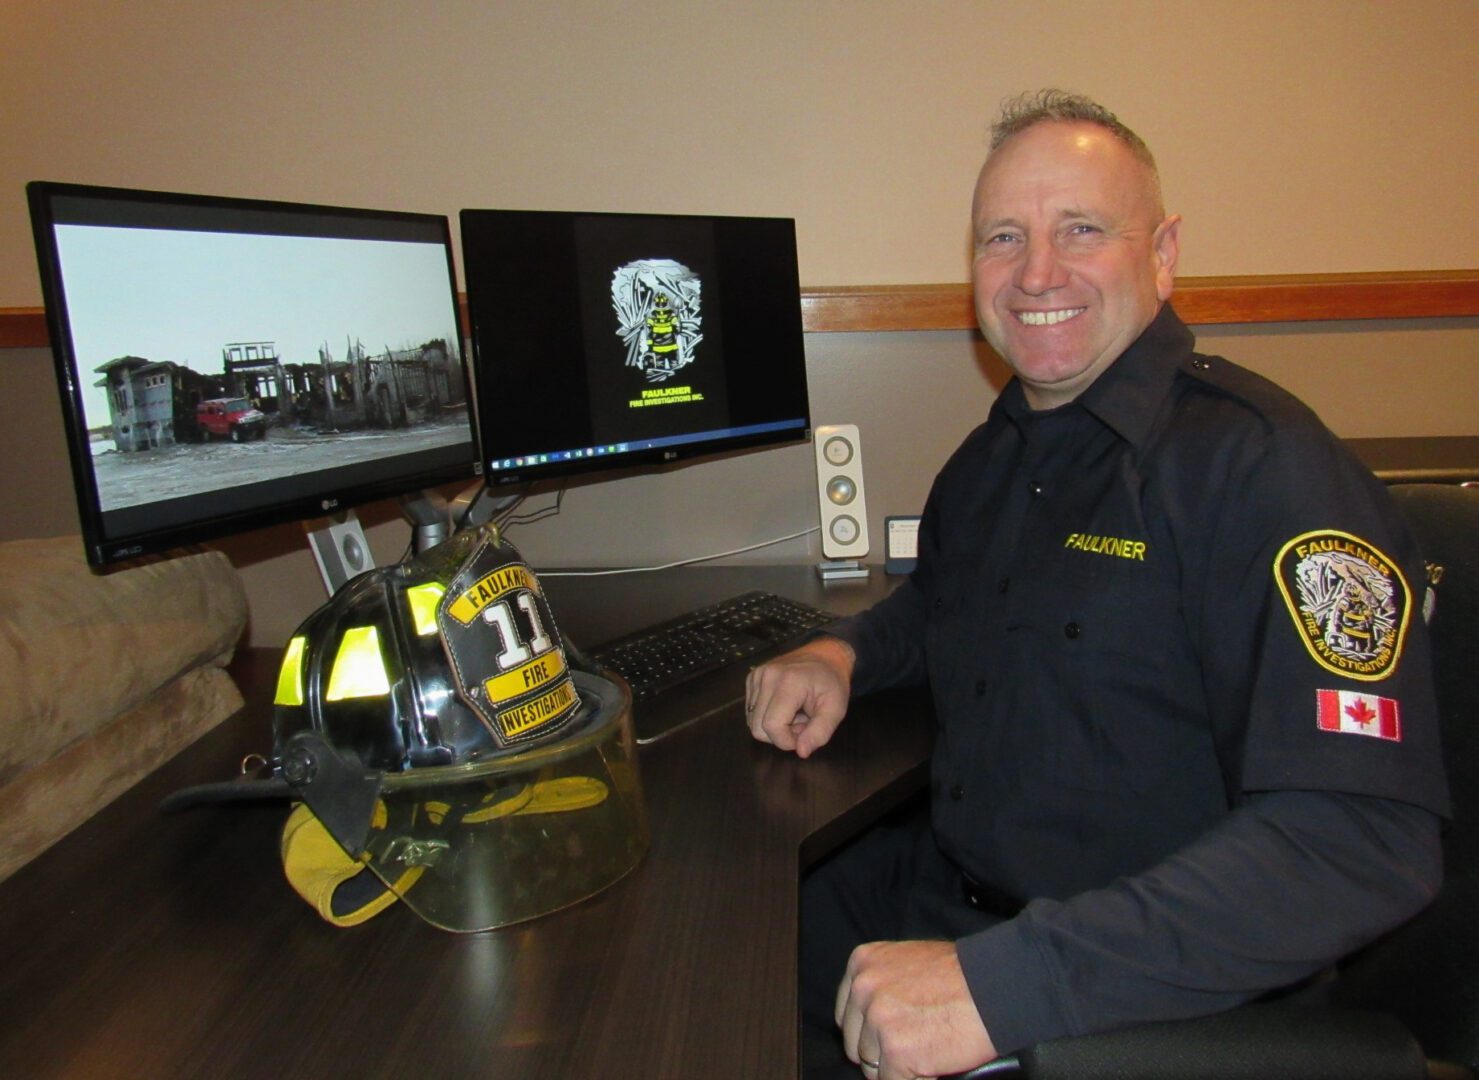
(659, 316)
(505, 651)
(1350, 603)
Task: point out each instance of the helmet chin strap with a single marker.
(339, 791)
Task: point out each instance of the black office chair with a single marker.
(1408, 1005)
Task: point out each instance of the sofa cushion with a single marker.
(45, 803)
(79, 648)
(105, 677)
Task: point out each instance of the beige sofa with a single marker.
(102, 678)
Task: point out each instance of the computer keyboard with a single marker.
(667, 657)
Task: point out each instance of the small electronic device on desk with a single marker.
(669, 665)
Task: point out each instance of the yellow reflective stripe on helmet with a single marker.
(359, 669)
(423, 600)
(290, 675)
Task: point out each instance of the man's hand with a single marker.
(796, 701)
(905, 1011)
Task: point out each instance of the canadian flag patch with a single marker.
(1356, 713)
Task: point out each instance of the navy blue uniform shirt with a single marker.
(1139, 609)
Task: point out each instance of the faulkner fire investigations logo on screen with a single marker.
(659, 318)
(1350, 603)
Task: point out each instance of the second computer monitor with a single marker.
(611, 340)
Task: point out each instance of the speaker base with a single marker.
(340, 549)
(841, 570)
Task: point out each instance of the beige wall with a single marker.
(1294, 136)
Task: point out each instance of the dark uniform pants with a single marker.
(891, 884)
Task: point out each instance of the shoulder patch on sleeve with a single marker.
(1350, 603)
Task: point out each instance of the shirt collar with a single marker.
(1128, 394)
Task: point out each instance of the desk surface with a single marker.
(152, 946)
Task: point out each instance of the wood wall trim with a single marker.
(1201, 301)
(22, 327)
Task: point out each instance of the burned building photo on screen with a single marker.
(659, 315)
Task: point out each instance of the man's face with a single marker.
(1072, 256)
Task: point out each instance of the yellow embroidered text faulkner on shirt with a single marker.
(1107, 545)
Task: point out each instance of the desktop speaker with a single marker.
(341, 551)
(840, 491)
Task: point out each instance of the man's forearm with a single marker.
(887, 641)
(1282, 888)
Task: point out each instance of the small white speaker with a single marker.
(840, 491)
(341, 551)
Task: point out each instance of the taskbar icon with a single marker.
(527, 460)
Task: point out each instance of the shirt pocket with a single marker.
(952, 617)
(1109, 689)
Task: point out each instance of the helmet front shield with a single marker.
(494, 842)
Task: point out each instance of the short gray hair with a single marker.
(1032, 108)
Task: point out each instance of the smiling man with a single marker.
(1187, 743)
(1073, 254)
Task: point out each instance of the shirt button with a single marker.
(957, 792)
(980, 687)
(1034, 487)
(1003, 585)
(1071, 630)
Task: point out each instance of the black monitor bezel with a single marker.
(324, 492)
(645, 459)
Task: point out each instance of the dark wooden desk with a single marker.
(162, 947)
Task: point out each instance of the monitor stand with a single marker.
(343, 553)
(430, 519)
(340, 548)
(841, 570)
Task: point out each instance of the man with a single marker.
(1165, 779)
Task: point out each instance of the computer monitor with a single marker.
(227, 363)
(603, 341)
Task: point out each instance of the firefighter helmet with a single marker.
(430, 722)
(448, 658)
